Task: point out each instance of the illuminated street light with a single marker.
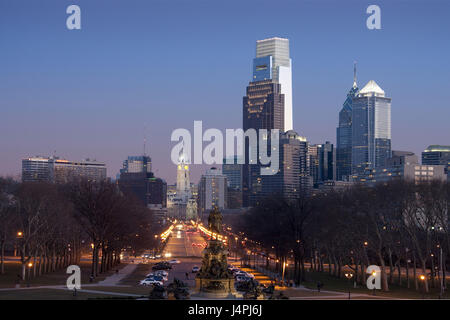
(349, 276)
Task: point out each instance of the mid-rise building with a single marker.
(371, 128)
(37, 169)
(403, 165)
(56, 170)
(437, 155)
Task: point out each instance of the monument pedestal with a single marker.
(215, 288)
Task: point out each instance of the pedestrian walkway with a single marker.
(114, 279)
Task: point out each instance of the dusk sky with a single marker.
(162, 64)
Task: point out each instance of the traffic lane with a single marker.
(194, 239)
(183, 271)
(176, 245)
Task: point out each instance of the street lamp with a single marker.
(29, 270)
(349, 276)
(282, 277)
(422, 278)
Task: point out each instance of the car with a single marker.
(240, 273)
(158, 276)
(161, 266)
(250, 275)
(243, 278)
(195, 269)
(174, 261)
(150, 281)
(158, 256)
(162, 273)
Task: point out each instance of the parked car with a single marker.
(162, 266)
(195, 269)
(157, 276)
(162, 273)
(240, 273)
(243, 278)
(150, 281)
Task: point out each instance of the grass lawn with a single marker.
(137, 275)
(341, 285)
(59, 277)
(47, 294)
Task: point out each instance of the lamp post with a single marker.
(30, 265)
(349, 276)
(284, 268)
(422, 279)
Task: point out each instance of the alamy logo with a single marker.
(374, 280)
(374, 20)
(74, 280)
(74, 20)
(259, 143)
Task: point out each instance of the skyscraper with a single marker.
(273, 62)
(263, 108)
(344, 135)
(371, 128)
(137, 164)
(137, 180)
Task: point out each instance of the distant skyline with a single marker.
(162, 64)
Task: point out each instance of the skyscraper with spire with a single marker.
(344, 134)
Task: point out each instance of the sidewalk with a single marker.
(114, 279)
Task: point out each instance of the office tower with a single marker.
(37, 169)
(137, 164)
(137, 180)
(53, 169)
(437, 155)
(212, 191)
(371, 128)
(293, 177)
(327, 160)
(157, 192)
(294, 170)
(273, 62)
(344, 135)
(263, 109)
(322, 162)
(233, 171)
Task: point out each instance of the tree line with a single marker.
(51, 225)
(400, 226)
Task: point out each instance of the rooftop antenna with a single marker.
(354, 75)
(145, 138)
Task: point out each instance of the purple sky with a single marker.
(163, 64)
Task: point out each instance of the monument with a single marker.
(214, 280)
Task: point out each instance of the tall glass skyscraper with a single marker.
(344, 135)
(371, 128)
(273, 62)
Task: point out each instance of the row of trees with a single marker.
(400, 226)
(50, 225)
